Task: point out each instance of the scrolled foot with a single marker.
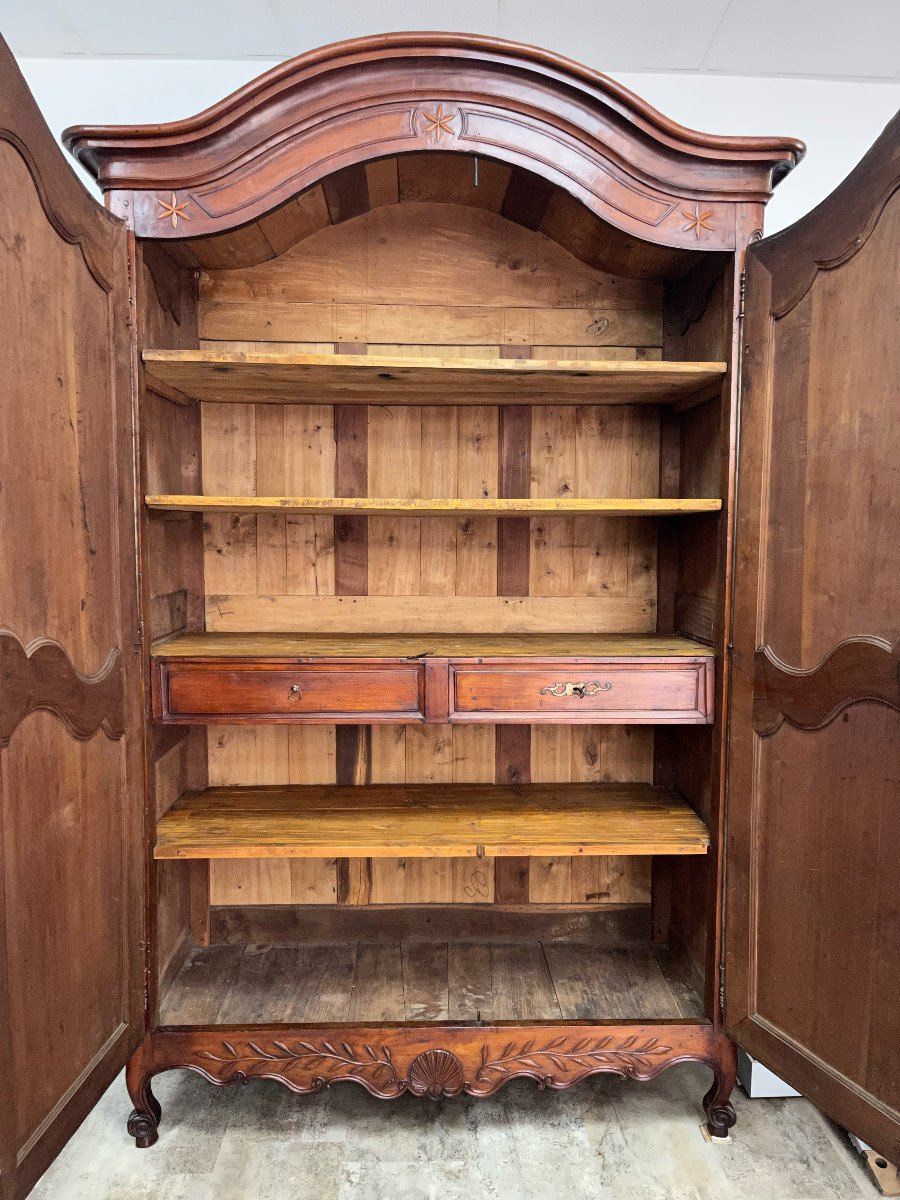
(142, 1126)
(719, 1119)
(720, 1116)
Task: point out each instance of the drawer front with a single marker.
(623, 692)
(305, 692)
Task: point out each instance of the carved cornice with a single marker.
(857, 670)
(372, 97)
(836, 230)
(42, 677)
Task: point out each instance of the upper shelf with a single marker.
(491, 506)
(376, 379)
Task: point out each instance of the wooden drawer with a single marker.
(340, 692)
(633, 691)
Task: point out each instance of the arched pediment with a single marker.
(362, 100)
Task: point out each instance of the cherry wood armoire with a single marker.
(448, 595)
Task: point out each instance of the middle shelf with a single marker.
(484, 506)
(429, 821)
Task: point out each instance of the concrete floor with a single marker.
(607, 1139)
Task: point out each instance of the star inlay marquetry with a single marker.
(697, 221)
(438, 122)
(172, 210)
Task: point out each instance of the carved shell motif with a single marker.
(436, 1073)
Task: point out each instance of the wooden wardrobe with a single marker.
(449, 597)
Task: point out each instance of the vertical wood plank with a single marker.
(513, 766)
(513, 534)
(198, 886)
(353, 743)
(351, 550)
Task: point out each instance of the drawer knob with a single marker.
(295, 693)
(575, 689)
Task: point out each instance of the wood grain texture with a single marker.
(857, 670)
(426, 981)
(71, 796)
(598, 613)
(460, 820)
(290, 647)
(169, 444)
(432, 1061)
(816, 584)
(385, 276)
(618, 926)
(377, 378)
(42, 677)
(373, 507)
(330, 111)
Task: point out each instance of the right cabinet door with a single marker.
(812, 915)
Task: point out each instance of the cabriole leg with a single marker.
(719, 1113)
(143, 1123)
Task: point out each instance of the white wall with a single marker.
(837, 120)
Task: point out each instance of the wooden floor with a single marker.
(234, 984)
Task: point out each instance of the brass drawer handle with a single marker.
(295, 693)
(575, 689)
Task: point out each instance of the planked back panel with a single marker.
(410, 278)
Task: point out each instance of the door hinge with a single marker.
(146, 981)
(722, 988)
(743, 294)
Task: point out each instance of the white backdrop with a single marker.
(837, 120)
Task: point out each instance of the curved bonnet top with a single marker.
(371, 97)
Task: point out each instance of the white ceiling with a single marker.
(829, 39)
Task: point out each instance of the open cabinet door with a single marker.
(813, 821)
(71, 773)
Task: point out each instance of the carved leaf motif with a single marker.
(256, 1059)
(586, 1053)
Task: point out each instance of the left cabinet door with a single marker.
(71, 740)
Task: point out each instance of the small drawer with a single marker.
(278, 692)
(629, 691)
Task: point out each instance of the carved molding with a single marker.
(76, 217)
(380, 96)
(428, 1061)
(42, 677)
(859, 669)
(837, 229)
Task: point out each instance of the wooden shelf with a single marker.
(492, 506)
(293, 646)
(429, 821)
(376, 379)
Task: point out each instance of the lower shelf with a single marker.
(440, 981)
(429, 821)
